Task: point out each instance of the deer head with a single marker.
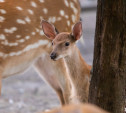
(62, 42)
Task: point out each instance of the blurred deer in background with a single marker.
(22, 42)
(81, 108)
(64, 47)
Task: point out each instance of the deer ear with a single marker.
(49, 30)
(77, 30)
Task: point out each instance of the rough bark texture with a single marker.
(108, 84)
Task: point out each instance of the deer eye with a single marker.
(52, 43)
(67, 44)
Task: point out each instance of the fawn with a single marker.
(23, 44)
(64, 47)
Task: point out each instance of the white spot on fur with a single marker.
(61, 12)
(18, 36)
(68, 22)
(33, 4)
(11, 30)
(2, 37)
(66, 16)
(28, 48)
(52, 19)
(19, 8)
(2, 18)
(41, 32)
(45, 10)
(41, 17)
(6, 43)
(27, 37)
(36, 45)
(30, 11)
(12, 44)
(37, 30)
(66, 3)
(59, 18)
(73, 7)
(2, 11)
(20, 21)
(33, 33)
(73, 18)
(12, 54)
(42, 1)
(21, 41)
(2, 1)
(27, 19)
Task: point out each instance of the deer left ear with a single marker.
(49, 30)
(77, 30)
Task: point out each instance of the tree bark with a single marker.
(108, 84)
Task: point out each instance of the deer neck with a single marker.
(78, 75)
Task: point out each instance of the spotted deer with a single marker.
(81, 108)
(23, 44)
(64, 47)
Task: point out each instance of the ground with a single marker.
(28, 93)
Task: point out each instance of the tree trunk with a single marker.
(108, 84)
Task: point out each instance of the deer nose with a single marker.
(53, 56)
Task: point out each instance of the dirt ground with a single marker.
(28, 93)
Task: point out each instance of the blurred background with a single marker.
(27, 93)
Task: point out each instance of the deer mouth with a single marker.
(55, 56)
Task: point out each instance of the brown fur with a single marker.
(81, 108)
(79, 74)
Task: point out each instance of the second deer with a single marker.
(64, 47)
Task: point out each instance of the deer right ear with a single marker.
(49, 30)
(77, 30)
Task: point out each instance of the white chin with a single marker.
(59, 57)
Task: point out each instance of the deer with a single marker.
(23, 43)
(64, 47)
(80, 108)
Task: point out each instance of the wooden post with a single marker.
(108, 84)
